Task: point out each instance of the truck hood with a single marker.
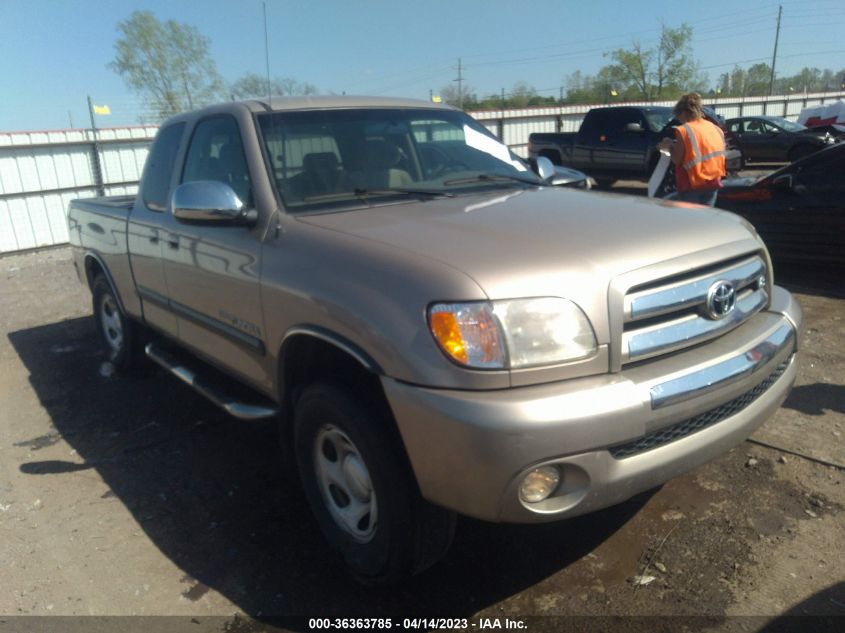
(545, 241)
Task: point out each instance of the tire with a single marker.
(361, 490)
(800, 151)
(119, 335)
(604, 183)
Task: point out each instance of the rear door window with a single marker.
(159, 171)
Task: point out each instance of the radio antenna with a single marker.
(267, 53)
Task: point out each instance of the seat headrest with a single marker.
(320, 161)
(381, 154)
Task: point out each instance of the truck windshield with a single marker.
(343, 157)
(658, 118)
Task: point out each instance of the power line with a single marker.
(460, 81)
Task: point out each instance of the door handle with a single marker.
(172, 240)
(153, 236)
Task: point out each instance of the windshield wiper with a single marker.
(433, 193)
(491, 178)
(363, 193)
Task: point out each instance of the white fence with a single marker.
(40, 172)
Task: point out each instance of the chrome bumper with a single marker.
(611, 436)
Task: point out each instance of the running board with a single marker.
(217, 394)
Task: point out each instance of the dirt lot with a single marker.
(134, 496)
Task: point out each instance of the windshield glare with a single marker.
(789, 126)
(337, 157)
(658, 118)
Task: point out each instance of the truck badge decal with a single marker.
(239, 323)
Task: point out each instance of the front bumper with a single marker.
(612, 436)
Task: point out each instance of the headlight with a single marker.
(512, 334)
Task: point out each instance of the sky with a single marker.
(54, 53)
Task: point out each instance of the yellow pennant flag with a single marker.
(436, 99)
(613, 93)
(103, 109)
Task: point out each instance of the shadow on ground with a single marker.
(823, 612)
(817, 399)
(211, 494)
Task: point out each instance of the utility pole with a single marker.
(775, 54)
(98, 169)
(503, 98)
(460, 81)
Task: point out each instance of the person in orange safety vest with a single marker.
(698, 153)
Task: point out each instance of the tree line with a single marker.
(169, 65)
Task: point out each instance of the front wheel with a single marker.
(361, 490)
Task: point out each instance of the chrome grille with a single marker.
(672, 315)
(699, 422)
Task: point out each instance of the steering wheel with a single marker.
(441, 163)
(446, 168)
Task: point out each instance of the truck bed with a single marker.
(110, 205)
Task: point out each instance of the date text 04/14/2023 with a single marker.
(415, 624)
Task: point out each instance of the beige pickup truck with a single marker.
(436, 330)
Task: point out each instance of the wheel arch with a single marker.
(311, 353)
(94, 265)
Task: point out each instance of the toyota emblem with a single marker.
(721, 299)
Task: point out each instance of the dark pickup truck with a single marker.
(616, 142)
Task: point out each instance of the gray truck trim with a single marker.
(233, 334)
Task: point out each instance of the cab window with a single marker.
(216, 153)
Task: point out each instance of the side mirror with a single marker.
(544, 168)
(210, 201)
(634, 127)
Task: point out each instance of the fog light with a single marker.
(539, 484)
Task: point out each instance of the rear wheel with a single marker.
(120, 336)
(361, 489)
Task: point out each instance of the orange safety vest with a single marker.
(704, 155)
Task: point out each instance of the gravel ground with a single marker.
(133, 496)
